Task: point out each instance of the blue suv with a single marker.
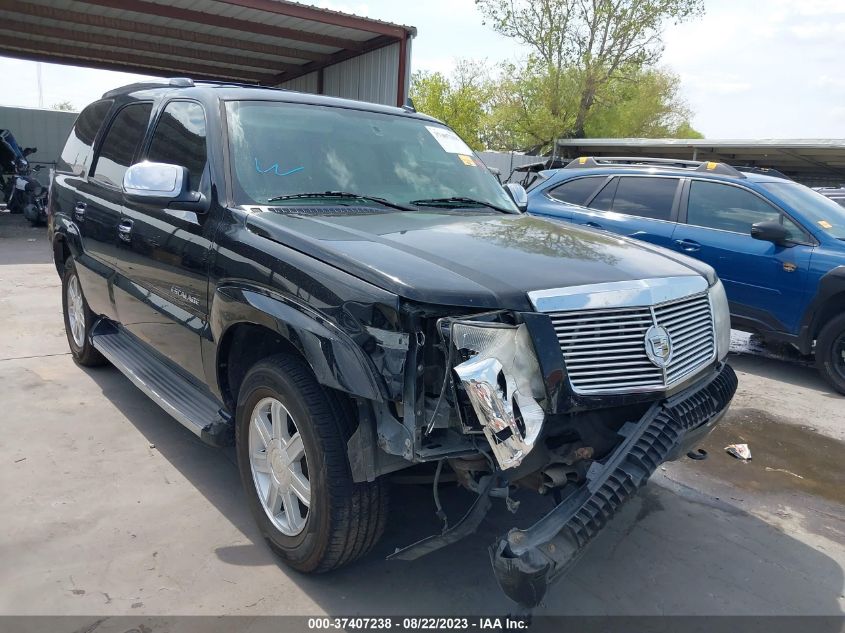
(778, 246)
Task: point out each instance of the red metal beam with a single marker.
(163, 33)
(220, 21)
(82, 56)
(104, 65)
(14, 28)
(324, 16)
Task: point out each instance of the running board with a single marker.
(167, 385)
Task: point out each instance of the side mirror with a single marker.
(163, 184)
(518, 195)
(770, 232)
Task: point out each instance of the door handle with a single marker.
(79, 212)
(124, 230)
(690, 246)
(594, 225)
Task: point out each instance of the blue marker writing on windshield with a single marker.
(275, 169)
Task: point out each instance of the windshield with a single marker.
(821, 211)
(280, 149)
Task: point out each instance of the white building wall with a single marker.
(33, 127)
(306, 83)
(369, 77)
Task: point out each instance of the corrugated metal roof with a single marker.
(256, 41)
(815, 161)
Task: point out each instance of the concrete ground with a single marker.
(110, 507)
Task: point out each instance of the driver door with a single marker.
(765, 282)
(165, 301)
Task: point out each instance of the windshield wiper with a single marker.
(345, 195)
(457, 201)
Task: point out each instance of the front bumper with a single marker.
(527, 561)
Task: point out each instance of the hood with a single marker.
(466, 259)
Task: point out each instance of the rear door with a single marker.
(643, 207)
(98, 202)
(562, 201)
(765, 283)
(164, 300)
(70, 195)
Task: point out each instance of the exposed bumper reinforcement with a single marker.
(527, 561)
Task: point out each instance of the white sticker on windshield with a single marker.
(449, 141)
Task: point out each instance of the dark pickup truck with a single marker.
(343, 290)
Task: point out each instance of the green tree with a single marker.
(585, 45)
(530, 108)
(646, 105)
(66, 106)
(461, 101)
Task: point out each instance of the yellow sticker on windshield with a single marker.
(825, 224)
(467, 160)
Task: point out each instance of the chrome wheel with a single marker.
(76, 311)
(279, 467)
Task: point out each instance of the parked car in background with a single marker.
(837, 194)
(778, 246)
(342, 290)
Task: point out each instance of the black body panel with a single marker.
(464, 258)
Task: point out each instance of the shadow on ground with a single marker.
(21, 243)
(667, 552)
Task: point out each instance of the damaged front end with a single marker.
(502, 381)
(527, 561)
(488, 396)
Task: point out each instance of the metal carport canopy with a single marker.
(807, 160)
(267, 42)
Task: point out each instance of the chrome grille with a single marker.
(605, 352)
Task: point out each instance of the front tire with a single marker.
(78, 319)
(291, 436)
(830, 352)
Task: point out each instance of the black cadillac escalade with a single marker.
(343, 290)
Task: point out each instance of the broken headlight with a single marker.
(503, 383)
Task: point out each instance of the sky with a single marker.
(748, 68)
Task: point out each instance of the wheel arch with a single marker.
(829, 301)
(252, 324)
(64, 245)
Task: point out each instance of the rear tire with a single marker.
(341, 520)
(79, 320)
(830, 352)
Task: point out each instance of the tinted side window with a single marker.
(717, 206)
(577, 190)
(179, 139)
(645, 197)
(604, 200)
(76, 156)
(121, 143)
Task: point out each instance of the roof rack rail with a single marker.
(639, 161)
(141, 85)
(239, 84)
(766, 171)
(178, 82)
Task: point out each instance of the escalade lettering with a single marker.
(184, 295)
